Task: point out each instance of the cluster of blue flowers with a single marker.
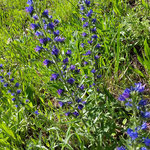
(131, 98)
(66, 74)
(12, 87)
(141, 105)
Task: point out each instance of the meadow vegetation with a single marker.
(74, 75)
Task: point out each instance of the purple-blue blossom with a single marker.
(88, 53)
(84, 34)
(86, 24)
(72, 67)
(35, 17)
(55, 51)
(54, 76)
(69, 52)
(80, 106)
(89, 13)
(93, 70)
(71, 80)
(18, 91)
(132, 134)
(75, 113)
(66, 60)
(139, 87)
(38, 33)
(39, 49)
(45, 13)
(61, 103)
(46, 62)
(34, 26)
(94, 20)
(87, 2)
(29, 2)
(60, 91)
(29, 10)
(56, 32)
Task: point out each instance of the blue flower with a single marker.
(143, 102)
(55, 51)
(80, 106)
(82, 44)
(13, 94)
(84, 34)
(98, 46)
(87, 2)
(9, 91)
(47, 62)
(71, 80)
(82, 19)
(18, 91)
(147, 142)
(29, 10)
(87, 53)
(96, 57)
(9, 73)
(145, 114)
(2, 80)
(56, 21)
(29, 2)
(61, 103)
(50, 26)
(13, 99)
(93, 70)
(94, 20)
(66, 60)
(54, 76)
(35, 17)
(60, 91)
(38, 33)
(78, 100)
(34, 26)
(89, 13)
(82, 87)
(94, 29)
(143, 148)
(86, 24)
(59, 39)
(6, 84)
(56, 32)
(36, 112)
(77, 71)
(69, 52)
(128, 104)
(1, 65)
(67, 114)
(85, 63)
(90, 42)
(82, 8)
(1, 77)
(45, 13)
(44, 41)
(12, 79)
(27, 100)
(94, 36)
(39, 49)
(75, 113)
(72, 67)
(99, 76)
(139, 88)
(121, 148)
(121, 98)
(144, 126)
(132, 134)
